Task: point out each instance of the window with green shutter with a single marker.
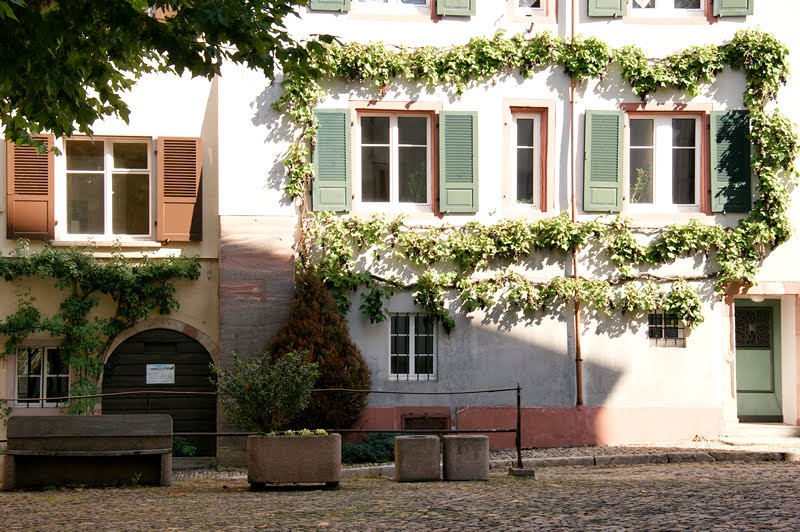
(457, 8)
(607, 8)
(730, 161)
(602, 166)
(331, 187)
(329, 5)
(458, 162)
(733, 8)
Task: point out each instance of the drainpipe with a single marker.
(578, 358)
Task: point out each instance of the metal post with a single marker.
(519, 427)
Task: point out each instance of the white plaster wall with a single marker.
(788, 360)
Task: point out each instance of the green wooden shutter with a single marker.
(602, 163)
(730, 161)
(733, 8)
(329, 5)
(607, 8)
(330, 189)
(458, 8)
(458, 162)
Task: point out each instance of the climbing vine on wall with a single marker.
(137, 287)
(352, 252)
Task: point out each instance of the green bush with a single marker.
(377, 448)
(316, 328)
(267, 393)
(182, 447)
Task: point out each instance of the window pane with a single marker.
(413, 170)
(29, 361)
(642, 132)
(423, 324)
(57, 387)
(55, 365)
(525, 175)
(400, 365)
(529, 3)
(644, 4)
(375, 130)
(84, 155)
(655, 325)
(130, 208)
(400, 324)
(85, 209)
(641, 175)
(524, 132)
(131, 155)
(423, 365)
(412, 130)
(687, 4)
(683, 132)
(374, 174)
(415, 2)
(683, 176)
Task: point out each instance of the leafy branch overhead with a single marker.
(461, 259)
(64, 65)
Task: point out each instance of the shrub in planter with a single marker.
(267, 394)
(316, 328)
(377, 448)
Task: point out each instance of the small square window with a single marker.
(412, 347)
(665, 330)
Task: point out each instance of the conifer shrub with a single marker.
(316, 328)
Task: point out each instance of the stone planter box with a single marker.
(294, 460)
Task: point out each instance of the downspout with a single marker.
(578, 358)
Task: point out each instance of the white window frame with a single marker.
(42, 401)
(537, 161)
(662, 164)
(664, 8)
(412, 376)
(394, 204)
(389, 6)
(62, 211)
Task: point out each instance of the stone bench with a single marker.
(91, 450)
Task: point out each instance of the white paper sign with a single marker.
(160, 374)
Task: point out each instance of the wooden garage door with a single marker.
(127, 370)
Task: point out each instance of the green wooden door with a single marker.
(758, 361)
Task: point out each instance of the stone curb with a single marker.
(609, 460)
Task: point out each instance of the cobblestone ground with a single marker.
(736, 496)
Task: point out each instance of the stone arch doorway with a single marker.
(164, 360)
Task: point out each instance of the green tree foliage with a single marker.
(315, 327)
(64, 64)
(266, 394)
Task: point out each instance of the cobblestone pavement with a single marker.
(719, 496)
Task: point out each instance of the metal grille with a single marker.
(665, 330)
(753, 327)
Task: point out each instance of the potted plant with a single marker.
(266, 395)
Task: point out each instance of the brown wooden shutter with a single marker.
(30, 211)
(179, 193)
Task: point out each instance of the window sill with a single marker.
(668, 20)
(663, 218)
(127, 244)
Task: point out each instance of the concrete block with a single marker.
(416, 458)
(522, 472)
(465, 457)
(791, 457)
(560, 461)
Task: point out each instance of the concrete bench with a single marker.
(92, 450)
